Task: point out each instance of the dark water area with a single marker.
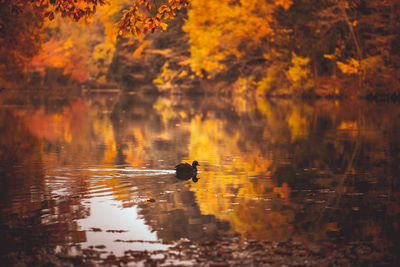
(96, 171)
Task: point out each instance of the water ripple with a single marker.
(100, 181)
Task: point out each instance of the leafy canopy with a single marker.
(141, 17)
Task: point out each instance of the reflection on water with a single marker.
(98, 172)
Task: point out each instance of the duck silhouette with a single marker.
(185, 171)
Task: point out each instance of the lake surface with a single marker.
(96, 171)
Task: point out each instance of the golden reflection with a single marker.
(227, 189)
(299, 121)
(135, 151)
(251, 157)
(27, 201)
(77, 130)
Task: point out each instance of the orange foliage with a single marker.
(75, 9)
(140, 17)
(64, 56)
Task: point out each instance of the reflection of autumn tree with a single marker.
(147, 137)
(29, 208)
(19, 146)
(274, 170)
(241, 193)
(76, 128)
(351, 163)
(285, 145)
(237, 189)
(177, 215)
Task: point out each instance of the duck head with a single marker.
(195, 164)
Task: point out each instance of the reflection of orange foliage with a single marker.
(77, 126)
(283, 191)
(255, 219)
(58, 127)
(349, 127)
(135, 151)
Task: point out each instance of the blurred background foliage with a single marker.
(243, 47)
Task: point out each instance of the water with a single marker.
(97, 172)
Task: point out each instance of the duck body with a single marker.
(186, 171)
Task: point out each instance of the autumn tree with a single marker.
(275, 45)
(142, 16)
(21, 22)
(354, 39)
(233, 29)
(20, 35)
(293, 46)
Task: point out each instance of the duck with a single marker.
(186, 171)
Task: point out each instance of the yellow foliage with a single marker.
(300, 74)
(284, 3)
(266, 84)
(242, 85)
(142, 17)
(373, 64)
(329, 56)
(68, 44)
(183, 74)
(298, 70)
(351, 67)
(104, 51)
(166, 75)
(218, 34)
(138, 52)
(348, 126)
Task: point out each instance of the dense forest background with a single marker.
(231, 47)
